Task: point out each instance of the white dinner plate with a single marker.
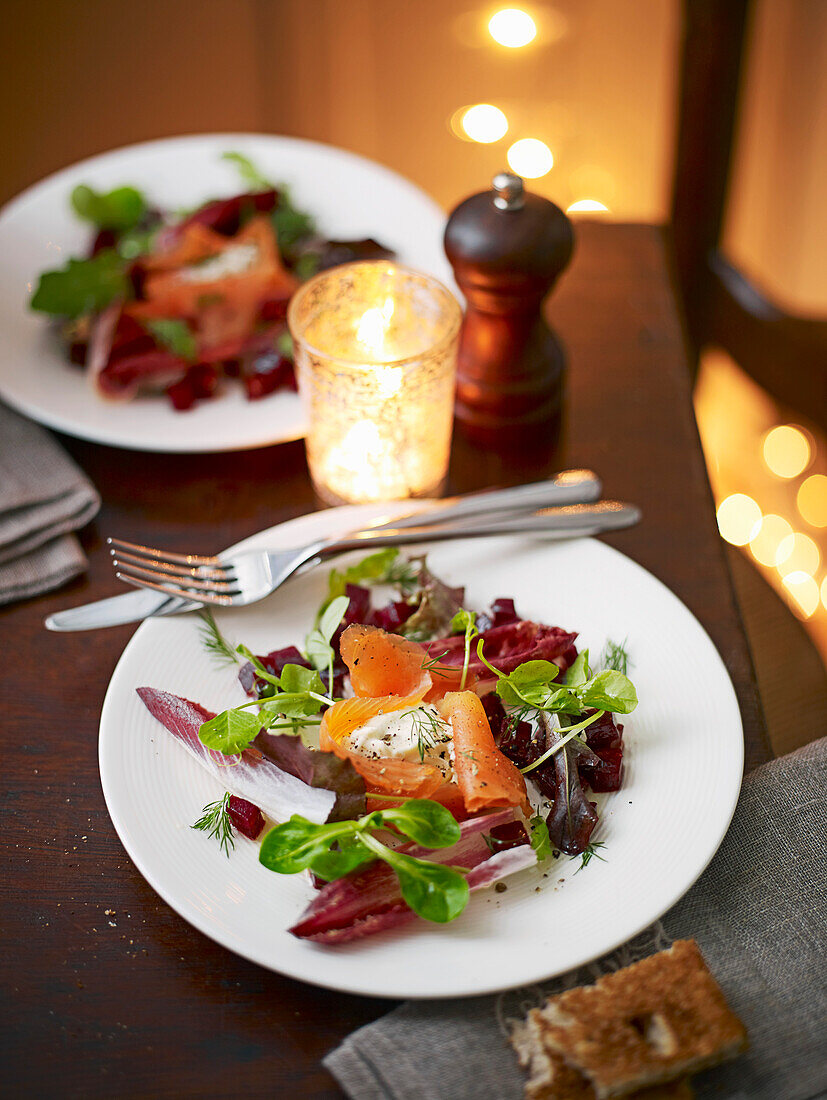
(682, 775)
(350, 197)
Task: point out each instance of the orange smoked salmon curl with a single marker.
(384, 664)
(487, 779)
(387, 674)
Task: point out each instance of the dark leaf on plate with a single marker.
(274, 663)
(317, 769)
(438, 603)
(224, 216)
(331, 253)
(572, 817)
(501, 613)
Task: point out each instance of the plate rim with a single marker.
(193, 917)
(90, 433)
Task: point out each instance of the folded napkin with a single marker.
(43, 497)
(759, 914)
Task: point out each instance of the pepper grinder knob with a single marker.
(508, 191)
(507, 247)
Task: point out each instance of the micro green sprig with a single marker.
(466, 622)
(533, 686)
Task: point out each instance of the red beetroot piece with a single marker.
(246, 817)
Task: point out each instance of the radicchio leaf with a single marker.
(368, 900)
(317, 769)
(509, 646)
(279, 793)
(274, 663)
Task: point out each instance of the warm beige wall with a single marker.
(81, 76)
(379, 76)
(383, 77)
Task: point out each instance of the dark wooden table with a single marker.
(106, 991)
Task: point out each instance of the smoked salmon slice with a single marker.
(486, 778)
(384, 664)
(407, 778)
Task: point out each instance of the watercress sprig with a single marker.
(432, 890)
(534, 684)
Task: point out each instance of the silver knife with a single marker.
(568, 487)
(128, 608)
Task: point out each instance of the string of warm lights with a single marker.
(486, 123)
(787, 451)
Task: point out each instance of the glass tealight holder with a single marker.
(375, 348)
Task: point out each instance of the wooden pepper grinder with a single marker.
(507, 248)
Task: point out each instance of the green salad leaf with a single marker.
(83, 286)
(119, 209)
(230, 732)
(250, 175)
(174, 335)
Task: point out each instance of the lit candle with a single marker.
(375, 347)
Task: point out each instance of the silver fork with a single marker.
(236, 579)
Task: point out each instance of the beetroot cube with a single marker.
(246, 817)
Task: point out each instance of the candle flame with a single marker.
(373, 326)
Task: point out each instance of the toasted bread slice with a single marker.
(650, 1023)
(550, 1078)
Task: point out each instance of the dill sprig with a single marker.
(213, 640)
(616, 656)
(215, 822)
(404, 574)
(429, 728)
(433, 663)
(591, 851)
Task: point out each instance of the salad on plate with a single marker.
(408, 753)
(178, 302)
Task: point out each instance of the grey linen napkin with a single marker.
(43, 497)
(759, 914)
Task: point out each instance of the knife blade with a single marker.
(116, 610)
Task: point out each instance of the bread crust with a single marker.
(635, 1032)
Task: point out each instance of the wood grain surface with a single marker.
(107, 992)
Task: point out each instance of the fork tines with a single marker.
(189, 576)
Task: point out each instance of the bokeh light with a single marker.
(512, 27)
(484, 123)
(804, 591)
(772, 533)
(824, 593)
(786, 450)
(587, 205)
(797, 553)
(812, 500)
(739, 519)
(530, 157)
